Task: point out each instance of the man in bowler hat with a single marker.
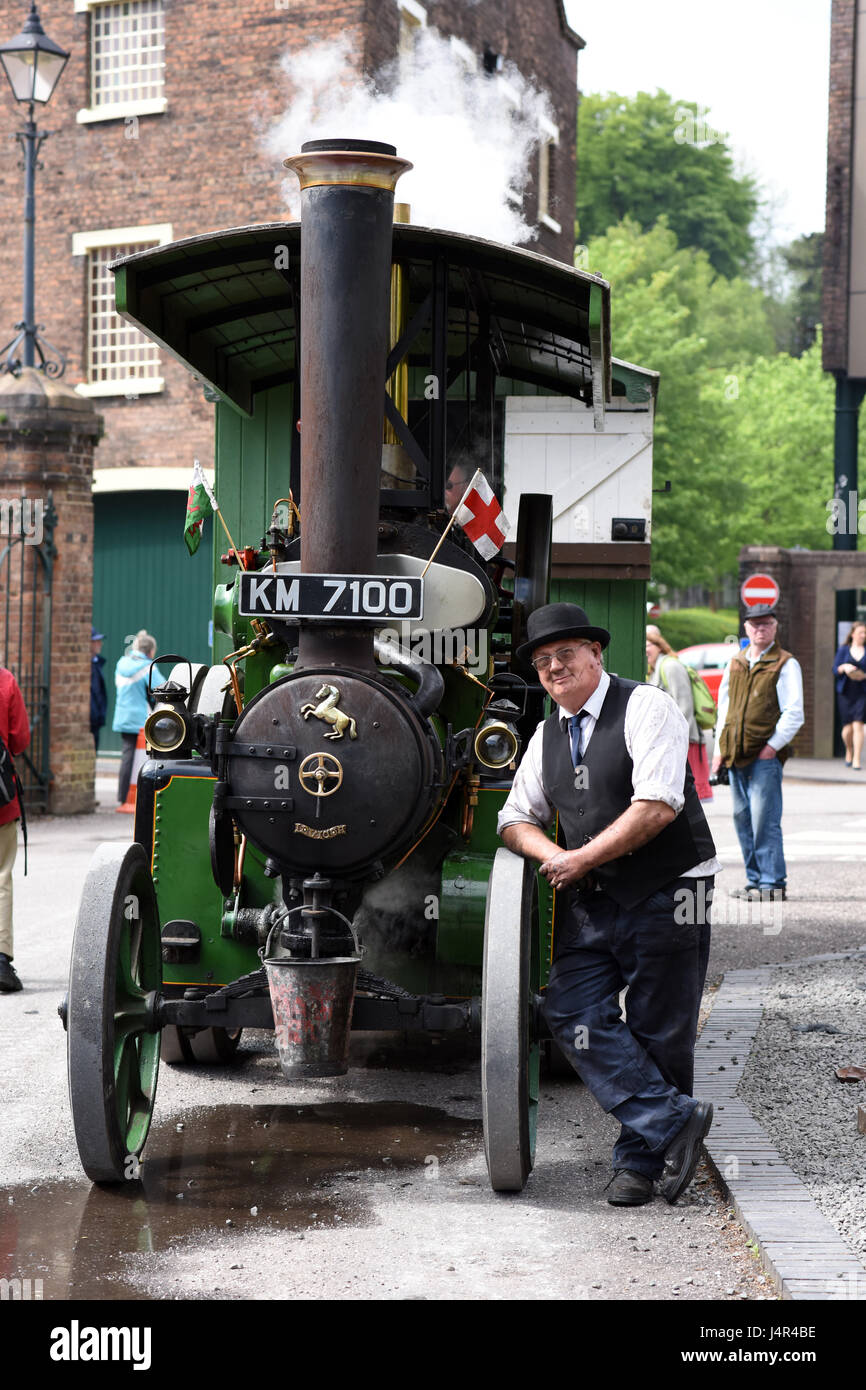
(633, 884)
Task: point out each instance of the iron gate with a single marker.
(26, 577)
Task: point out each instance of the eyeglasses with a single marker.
(564, 656)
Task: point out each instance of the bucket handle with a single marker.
(264, 951)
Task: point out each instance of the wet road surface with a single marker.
(226, 1171)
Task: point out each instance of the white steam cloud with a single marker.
(471, 137)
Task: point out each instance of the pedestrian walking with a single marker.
(632, 886)
(760, 711)
(131, 706)
(665, 669)
(849, 668)
(15, 732)
(98, 692)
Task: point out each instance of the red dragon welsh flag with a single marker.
(481, 516)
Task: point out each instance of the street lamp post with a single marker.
(33, 64)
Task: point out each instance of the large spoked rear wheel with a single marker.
(509, 1050)
(113, 1054)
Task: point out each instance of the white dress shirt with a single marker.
(789, 693)
(657, 741)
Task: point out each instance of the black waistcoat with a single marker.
(586, 810)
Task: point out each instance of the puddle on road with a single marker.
(299, 1166)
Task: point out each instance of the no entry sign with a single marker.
(759, 588)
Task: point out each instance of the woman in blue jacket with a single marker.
(131, 707)
(849, 668)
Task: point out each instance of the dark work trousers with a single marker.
(641, 1068)
(127, 758)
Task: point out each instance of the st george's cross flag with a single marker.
(201, 503)
(481, 516)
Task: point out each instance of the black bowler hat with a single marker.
(762, 610)
(557, 620)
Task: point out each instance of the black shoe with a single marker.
(681, 1156)
(751, 890)
(629, 1189)
(9, 981)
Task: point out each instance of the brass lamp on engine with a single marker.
(496, 744)
(169, 726)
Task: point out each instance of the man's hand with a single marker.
(564, 868)
(766, 753)
(637, 825)
(716, 764)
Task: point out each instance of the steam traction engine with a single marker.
(315, 845)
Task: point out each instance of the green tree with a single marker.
(648, 156)
(780, 445)
(673, 314)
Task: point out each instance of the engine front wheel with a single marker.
(113, 1048)
(510, 1053)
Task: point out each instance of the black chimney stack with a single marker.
(347, 213)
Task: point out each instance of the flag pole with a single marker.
(469, 487)
(238, 554)
(215, 505)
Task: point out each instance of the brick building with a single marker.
(157, 125)
(837, 242)
(844, 283)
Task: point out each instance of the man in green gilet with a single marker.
(760, 711)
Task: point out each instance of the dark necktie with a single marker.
(575, 724)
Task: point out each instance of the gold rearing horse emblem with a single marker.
(327, 710)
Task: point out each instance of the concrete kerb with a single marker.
(799, 1247)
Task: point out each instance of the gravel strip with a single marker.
(790, 1086)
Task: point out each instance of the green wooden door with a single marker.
(620, 606)
(143, 576)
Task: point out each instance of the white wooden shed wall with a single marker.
(551, 445)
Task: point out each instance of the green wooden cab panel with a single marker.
(620, 606)
(253, 463)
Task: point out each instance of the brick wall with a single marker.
(47, 438)
(839, 142)
(533, 35)
(201, 165)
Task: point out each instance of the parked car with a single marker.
(709, 659)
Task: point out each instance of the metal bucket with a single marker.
(312, 1007)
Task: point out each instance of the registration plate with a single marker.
(345, 596)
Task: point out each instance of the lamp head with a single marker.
(33, 62)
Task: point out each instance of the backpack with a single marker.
(706, 714)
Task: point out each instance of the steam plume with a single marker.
(470, 136)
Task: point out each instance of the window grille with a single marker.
(116, 352)
(127, 52)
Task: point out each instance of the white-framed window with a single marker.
(121, 361)
(127, 58)
(413, 18)
(547, 160)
